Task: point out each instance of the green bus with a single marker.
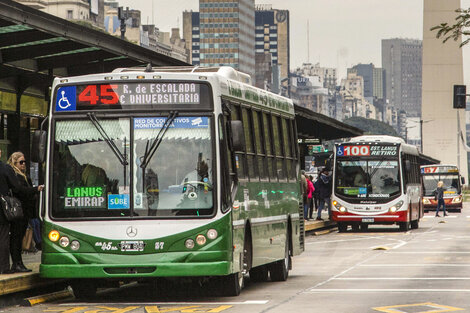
(163, 173)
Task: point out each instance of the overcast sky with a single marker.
(342, 32)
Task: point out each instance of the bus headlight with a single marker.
(54, 235)
(64, 241)
(335, 203)
(342, 209)
(426, 201)
(396, 207)
(212, 234)
(457, 199)
(189, 243)
(75, 245)
(201, 240)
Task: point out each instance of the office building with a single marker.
(402, 61)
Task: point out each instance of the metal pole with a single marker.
(421, 133)
(458, 139)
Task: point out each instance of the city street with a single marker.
(381, 270)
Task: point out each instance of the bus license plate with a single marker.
(132, 246)
(368, 220)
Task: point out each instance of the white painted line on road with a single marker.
(428, 252)
(403, 278)
(385, 290)
(418, 265)
(342, 240)
(176, 303)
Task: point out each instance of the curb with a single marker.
(47, 297)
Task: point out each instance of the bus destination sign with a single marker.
(366, 150)
(118, 95)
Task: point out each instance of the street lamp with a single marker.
(421, 121)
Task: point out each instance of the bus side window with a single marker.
(239, 155)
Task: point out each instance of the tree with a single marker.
(370, 126)
(457, 30)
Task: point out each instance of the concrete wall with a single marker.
(442, 68)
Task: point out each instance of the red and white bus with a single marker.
(450, 175)
(376, 180)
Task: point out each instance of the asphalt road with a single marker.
(381, 270)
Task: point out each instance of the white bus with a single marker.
(376, 181)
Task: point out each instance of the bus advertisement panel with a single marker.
(453, 181)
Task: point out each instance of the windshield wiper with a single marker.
(150, 151)
(111, 144)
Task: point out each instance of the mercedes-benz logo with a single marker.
(131, 231)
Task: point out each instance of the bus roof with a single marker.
(226, 81)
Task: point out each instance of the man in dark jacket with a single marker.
(8, 181)
(324, 192)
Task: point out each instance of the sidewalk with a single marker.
(17, 282)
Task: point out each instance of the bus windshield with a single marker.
(451, 183)
(90, 180)
(367, 178)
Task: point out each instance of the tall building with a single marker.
(227, 34)
(272, 37)
(402, 61)
(442, 68)
(192, 36)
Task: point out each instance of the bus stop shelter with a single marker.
(35, 47)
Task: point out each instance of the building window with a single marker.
(69, 14)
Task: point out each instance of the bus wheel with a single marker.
(259, 273)
(404, 226)
(84, 290)
(280, 270)
(415, 224)
(342, 227)
(232, 284)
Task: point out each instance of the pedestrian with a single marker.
(8, 182)
(310, 190)
(439, 196)
(27, 196)
(304, 186)
(324, 192)
(311, 201)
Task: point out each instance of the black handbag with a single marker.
(11, 208)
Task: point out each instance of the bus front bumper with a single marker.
(388, 218)
(127, 266)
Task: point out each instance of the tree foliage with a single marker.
(370, 126)
(457, 30)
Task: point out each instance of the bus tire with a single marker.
(404, 226)
(259, 273)
(84, 290)
(232, 284)
(415, 224)
(279, 270)
(342, 227)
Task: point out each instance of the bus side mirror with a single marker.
(238, 136)
(407, 165)
(462, 180)
(38, 147)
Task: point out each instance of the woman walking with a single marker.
(28, 202)
(439, 195)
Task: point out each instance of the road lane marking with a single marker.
(326, 290)
(422, 264)
(428, 252)
(435, 308)
(342, 240)
(403, 278)
(177, 303)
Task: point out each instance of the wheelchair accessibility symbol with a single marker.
(65, 100)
